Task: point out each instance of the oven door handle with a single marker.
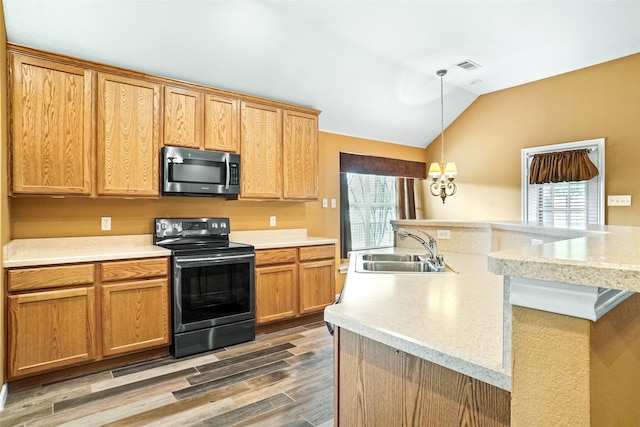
(185, 261)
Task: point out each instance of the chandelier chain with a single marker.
(441, 73)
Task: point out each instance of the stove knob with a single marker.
(223, 225)
(214, 225)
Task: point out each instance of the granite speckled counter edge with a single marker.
(279, 238)
(67, 250)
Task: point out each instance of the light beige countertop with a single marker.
(454, 320)
(607, 258)
(65, 250)
(279, 238)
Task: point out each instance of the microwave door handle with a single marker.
(226, 162)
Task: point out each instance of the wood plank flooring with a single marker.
(283, 378)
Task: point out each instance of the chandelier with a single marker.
(443, 173)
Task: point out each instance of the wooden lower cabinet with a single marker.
(276, 289)
(69, 315)
(50, 330)
(291, 282)
(135, 316)
(377, 385)
(315, 285)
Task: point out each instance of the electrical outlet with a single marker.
(324, 203)
(444, 234)
(619, 200)
(333, 203)
(105, 223)
(272, 221)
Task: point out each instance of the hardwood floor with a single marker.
(283, 378)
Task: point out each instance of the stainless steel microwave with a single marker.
(190, 172)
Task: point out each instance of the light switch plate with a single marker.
(624, 200)
(324, 203)
(333, 203)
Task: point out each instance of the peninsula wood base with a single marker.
(377, 385)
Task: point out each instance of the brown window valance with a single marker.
(372, 165)
(573, 165)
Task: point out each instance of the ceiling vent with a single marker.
(469, 65)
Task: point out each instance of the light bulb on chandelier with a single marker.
(443, 173)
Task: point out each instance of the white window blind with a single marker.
(564, 204)
(372, 205)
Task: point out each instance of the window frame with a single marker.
(527, 154)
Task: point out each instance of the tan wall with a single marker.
(4, 204)
(485, 141)
(575, 372)
(550, 382)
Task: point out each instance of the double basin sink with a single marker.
(397, 263)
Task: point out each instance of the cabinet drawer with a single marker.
(135, 269)
(275, 256)
(50, 277)
(310, 253)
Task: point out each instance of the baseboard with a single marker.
(3, 396)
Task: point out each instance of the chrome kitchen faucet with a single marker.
(435, 259)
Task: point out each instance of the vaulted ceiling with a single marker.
(370, 66)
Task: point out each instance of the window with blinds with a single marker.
(372, 201)
(565, 204)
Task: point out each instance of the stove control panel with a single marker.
(177, 227)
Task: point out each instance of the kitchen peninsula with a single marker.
(452, 348)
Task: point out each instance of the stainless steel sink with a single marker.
(391, 257)
(396, 263)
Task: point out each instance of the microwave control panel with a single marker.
(234, 174)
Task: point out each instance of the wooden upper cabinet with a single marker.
(300, 156)
(183, 117)
(128, 136)
(221, 123)
(261, 151)
(52, 127)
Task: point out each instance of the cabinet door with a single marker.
(50, 330)
(128, 142)
(221, 122)
(316, 282)
(261, 146)
(51, 127)
(135, 316)
(300, 156)
(276, 293)
(183, 114)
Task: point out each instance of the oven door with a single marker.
(212, 290)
